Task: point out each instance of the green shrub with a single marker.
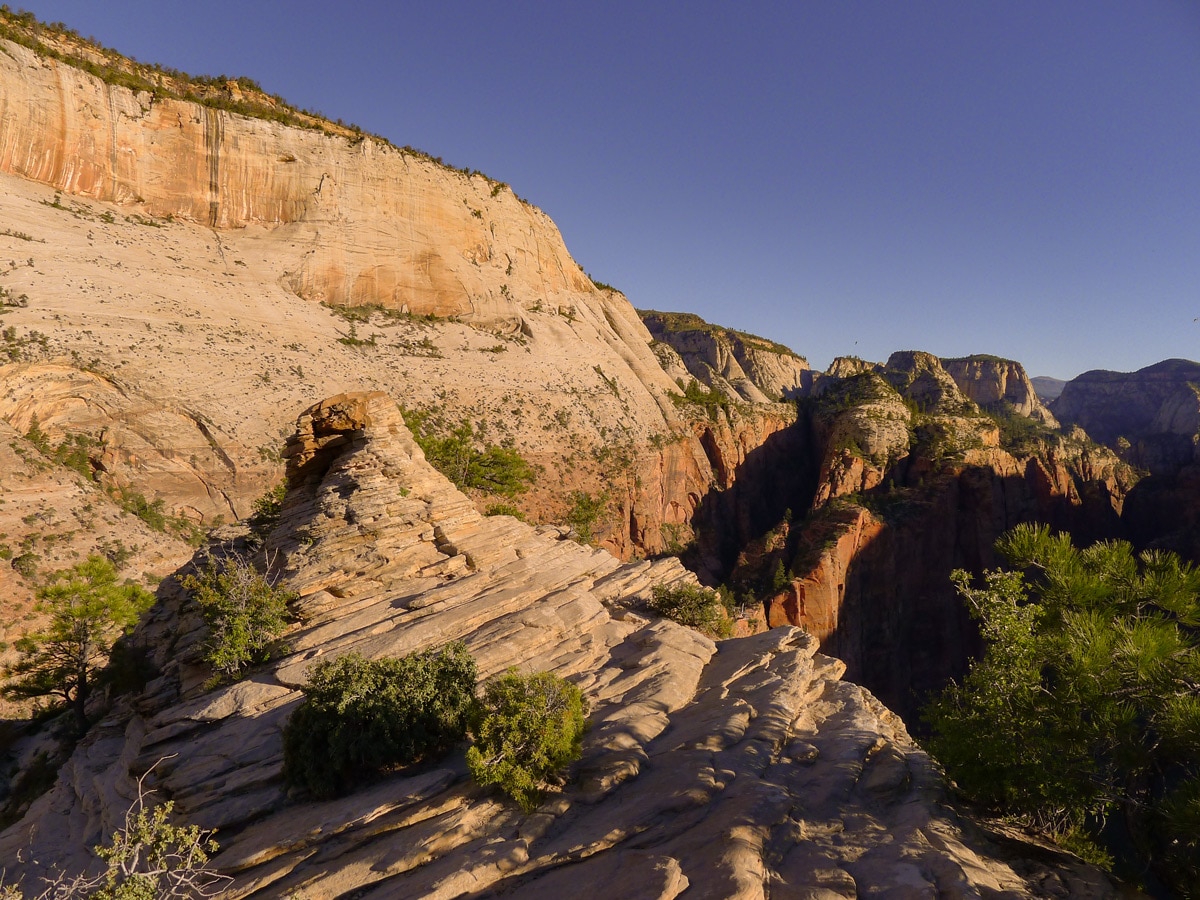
(455, 453)
(26, 565)
(504, 509)
(87, 610)
(245, 611)
(147, 858)
(692, 605)
(584, 512)
(1084, 706)
(711, 400)
(526, 727)
(363, 716)
(266, 511)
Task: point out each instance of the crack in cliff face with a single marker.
(212, 149)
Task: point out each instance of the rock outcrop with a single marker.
(1152, 418)
(741, 366)
(909, 480)
(743, 769)
(1000, 384)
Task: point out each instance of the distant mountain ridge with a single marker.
(1047, 388)
(1131, 405)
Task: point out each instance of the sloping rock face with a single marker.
(992, 382)
(741, 366)
(744, 769)
(168, 257)
(51, 518)
(1112, 405)
(1152, 418)
(139, 440)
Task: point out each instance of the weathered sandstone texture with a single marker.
(998, 383)
(744, 769)
(171, 257)
(741, 366)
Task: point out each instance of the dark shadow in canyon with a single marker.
(898, 624)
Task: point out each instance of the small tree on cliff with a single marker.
(88, 611)
(1087, 699)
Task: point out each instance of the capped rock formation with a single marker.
(738, 769)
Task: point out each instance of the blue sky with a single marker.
(1017, 177)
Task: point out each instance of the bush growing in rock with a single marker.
(692, 605)
(245, 610)
(526, 727)
(365, 716)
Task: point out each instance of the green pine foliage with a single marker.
(246, 613)
(461, 454)
(362, 716)
(267, 510)
(1086, 703)
(88, 610)
(526, 728)
(585, 512)
(692, 605)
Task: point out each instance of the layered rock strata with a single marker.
(164, 257)
(743, 769)
(743, 367)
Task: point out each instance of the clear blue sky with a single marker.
(1018, 177)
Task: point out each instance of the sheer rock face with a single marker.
(174, 256)
(742, 769)
(371, 223)
(991, 382)
(899, 499)
(740, 366)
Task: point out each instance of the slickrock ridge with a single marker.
(743, 769)
(743, 367)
